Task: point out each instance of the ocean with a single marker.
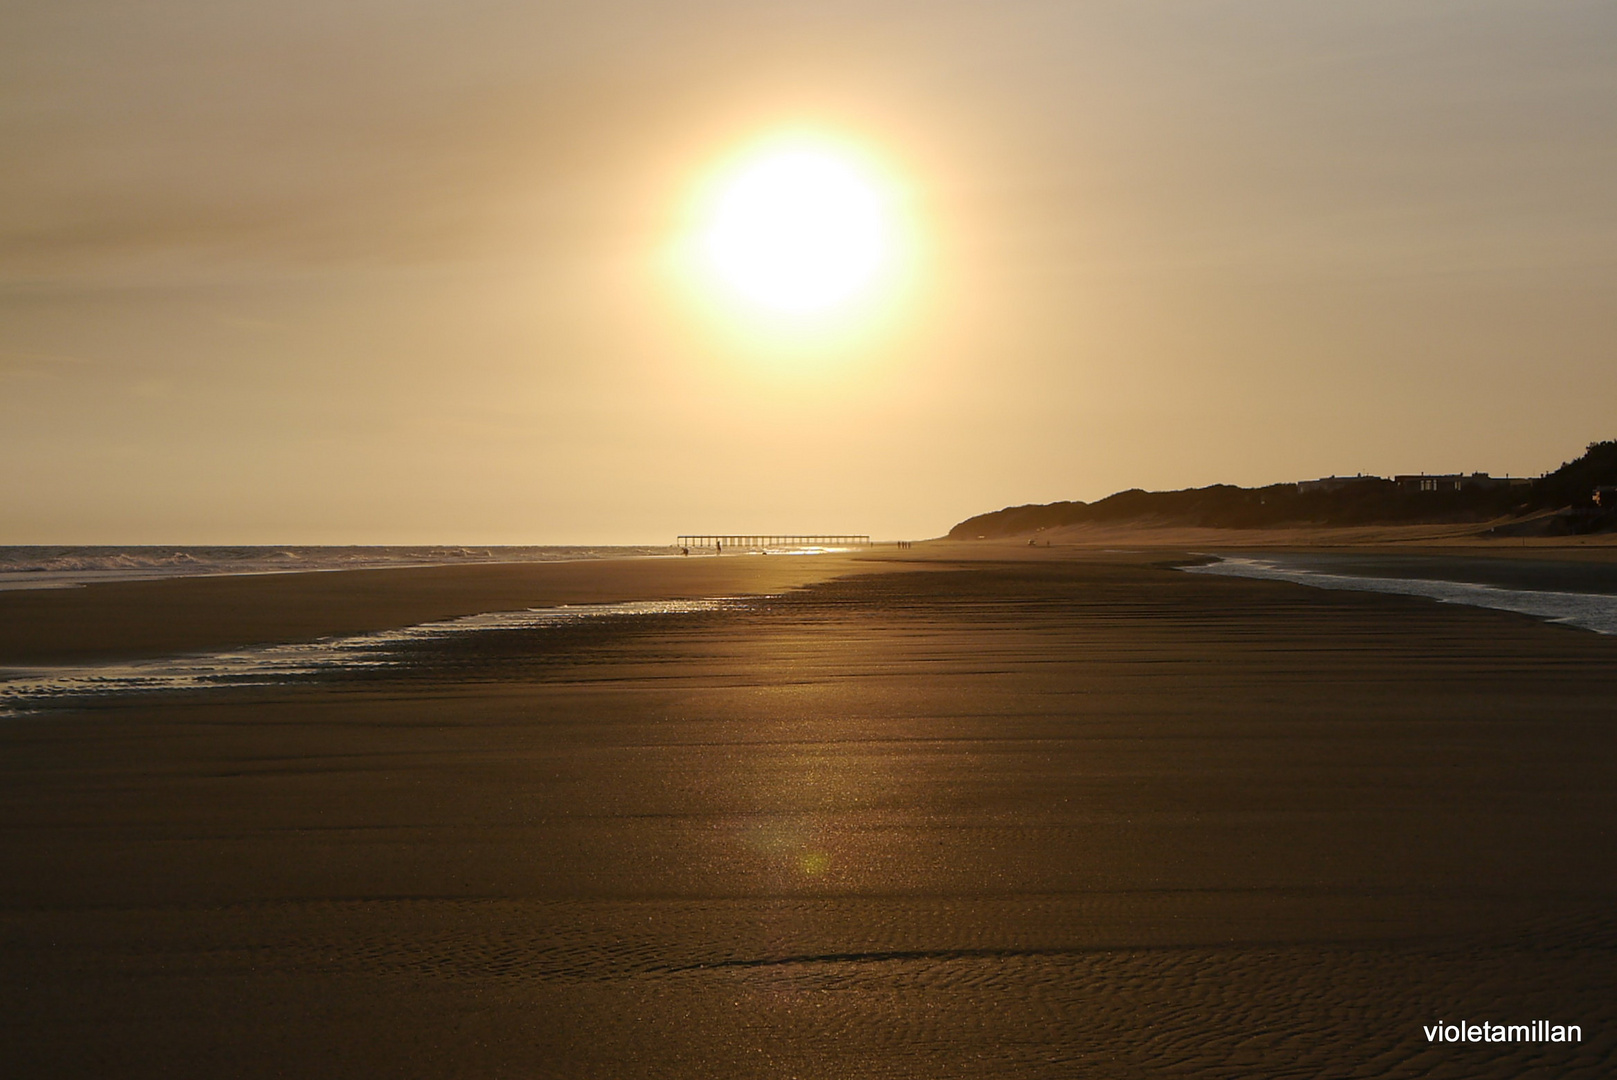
(67, 567)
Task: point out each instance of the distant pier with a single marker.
(766, 540)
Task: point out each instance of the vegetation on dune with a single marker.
(1364, 501)
(1572, 484)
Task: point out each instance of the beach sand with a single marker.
(1469, 537)
(1028, 813)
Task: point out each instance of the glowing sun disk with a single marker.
(798, 230)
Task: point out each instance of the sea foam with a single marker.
(1585, 610)
(35, 689)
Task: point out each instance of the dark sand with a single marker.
(1051, 817)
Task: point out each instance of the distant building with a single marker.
(1606, 496)
(1335, 483)
(1422, 482)
(1477, 481)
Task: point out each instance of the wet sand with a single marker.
(131, 619)
(1025, 814)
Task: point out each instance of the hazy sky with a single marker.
(392, 271)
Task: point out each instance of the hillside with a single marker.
(1566, 493)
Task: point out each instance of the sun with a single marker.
(799, 228)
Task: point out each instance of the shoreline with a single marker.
(151, 618)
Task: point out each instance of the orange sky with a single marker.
(394, 272)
